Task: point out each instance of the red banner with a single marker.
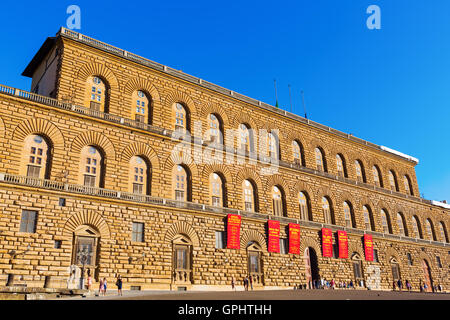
(233, 231)
(294, 238)
(327, 243)
(368, 247)
(274, 236)
(343, 244)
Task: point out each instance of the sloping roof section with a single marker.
(41, 54)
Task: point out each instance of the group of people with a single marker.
(325, 284)
(247, 281)
(103, 285)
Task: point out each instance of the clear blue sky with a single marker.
(388, 86)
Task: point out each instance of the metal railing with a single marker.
(146, 199)
(179, 74)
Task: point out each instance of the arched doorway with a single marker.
(311, 267)
(254, 263)
(358, 270)
(86, 243)
(182, 260)
(427, 276)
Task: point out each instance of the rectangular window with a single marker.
(409, 259)
(138, 188)
(216, 201)
(138, 232)
(220, 240)
(284, 246)
(28, 221)
(179, 195)
(438, 260)
(139, 118)
(248, 206)
(58, 244)
(375, 255)
(62, 202)
(33, 171)
(89, 181)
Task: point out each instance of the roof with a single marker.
(39, 56)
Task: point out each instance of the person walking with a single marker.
(105, 286)
(232, 284)
(251, 282)
(119, 285)
(246, 284)
(408, 285)
(399, 284)
(100, 287)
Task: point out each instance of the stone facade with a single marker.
(34, 257)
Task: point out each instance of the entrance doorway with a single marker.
(254, 264)
(311, 267)
(427, 276)
(85, 255)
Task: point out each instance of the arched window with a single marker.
(92, 167)
(216, 190)
(357, 269)
(278, 201)
(407, 184)
(139, 175)
(304, 206)
(430, 230)
(215, 133)
(244, 138)
(401, 224)
(273, 145)
(36, 156)
(327, 211)
(298, 153)
(340, 166)
(249, 196)
(443, 232)
(393, 181)
(97, 94)
(348, 215)
(180, 182)
(377, 180)
(385, 221)
(368, 218)
(320, 160)
(416, 228)
(141, 106)
(181, 117)
(359, 171)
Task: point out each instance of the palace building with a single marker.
(115, 164)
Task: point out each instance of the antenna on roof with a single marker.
(304, 106)
(290, 96)
(276, 95)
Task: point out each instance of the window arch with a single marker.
(217, 190)
(278, 201)
(416, 227)
(430, 230)
(393, 181)
(327, 210)
(298, 153)
(249, 194)
(182, 259)
(304, 205)
(368, 218)
(92, 167)
(37, 157)
(140, 176)
(181, 117)
(385, 221)
(320, 160)
(407, 184)
(359, 171)
(181, 183)
(215, 128)
(97, 94)
(443, 232)
(341, 166)
(141, 106)
(401, 224)
(377, 177)
(348, 215)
